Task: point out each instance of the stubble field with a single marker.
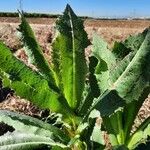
(110, 30)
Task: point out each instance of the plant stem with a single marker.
(120, 136)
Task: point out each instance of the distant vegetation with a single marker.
(34, 15)
(43, 15)
(28, 15)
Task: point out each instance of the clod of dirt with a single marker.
(8, 35)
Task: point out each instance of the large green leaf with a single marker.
(27, 124)
(26, 141)
(131, 79)
(33, 50)
(69, 63)
(131, 65)
(30, 85)
(136, 76)
(128, 80)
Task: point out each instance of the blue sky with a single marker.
(93, 8)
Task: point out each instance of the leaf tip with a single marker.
(68, 9)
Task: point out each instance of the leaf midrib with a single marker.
(73, 56)
(34, 143)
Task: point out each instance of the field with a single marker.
(110, 30)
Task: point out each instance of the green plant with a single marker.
(112, 84)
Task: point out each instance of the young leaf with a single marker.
(130, 112)
(33, 50)
(97, 135)
(30, 85)
(114, 127)
(106, 60)
(69, 62)
(91, 133)
(92, 90)
(27, 124)
(100, 51)
(23, 141)
(140, 135)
